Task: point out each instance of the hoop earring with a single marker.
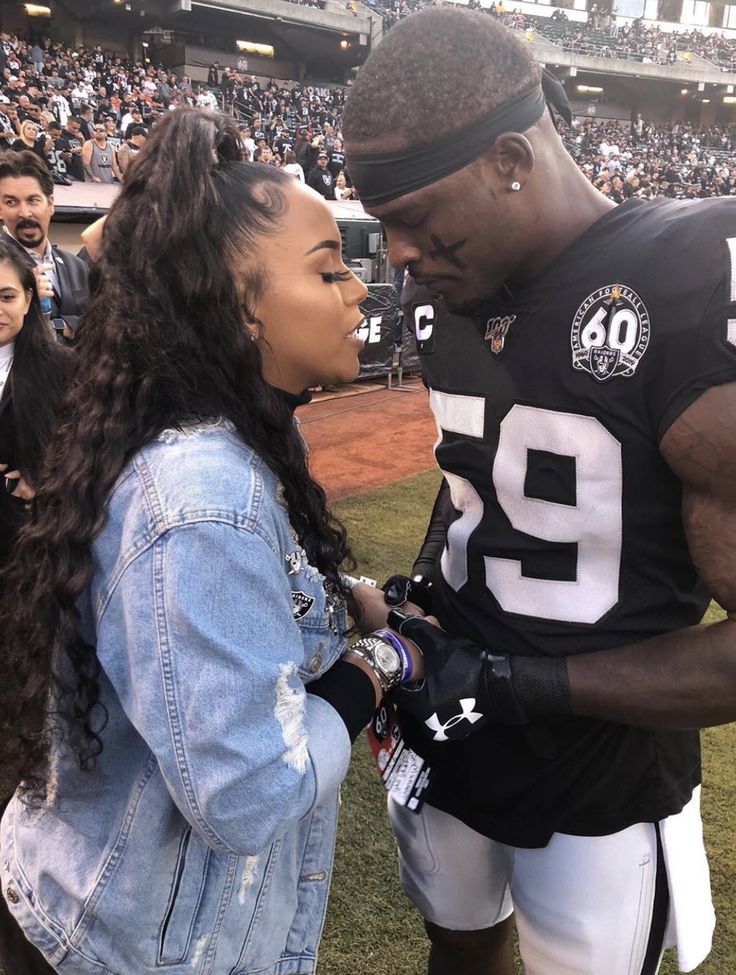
(516, 186)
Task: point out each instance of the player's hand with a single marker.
(374, 606)
(466, 686)
(402, 591)
(43, 281)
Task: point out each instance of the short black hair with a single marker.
(434, 74)
(27, 163)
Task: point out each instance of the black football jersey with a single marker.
(567, 534)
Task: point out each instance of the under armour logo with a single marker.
(468, 714)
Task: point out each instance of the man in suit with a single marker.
(26, 208)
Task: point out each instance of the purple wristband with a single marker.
(400, 647)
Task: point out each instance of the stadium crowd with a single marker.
(603, 36)
(87, 112)
(644, 160)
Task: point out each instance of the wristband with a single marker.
(407, 668)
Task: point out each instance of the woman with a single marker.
(179, 590)
(31, 371)
(30, 139)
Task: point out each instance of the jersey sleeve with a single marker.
(701, 351)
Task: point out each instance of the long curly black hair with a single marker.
(163, 342)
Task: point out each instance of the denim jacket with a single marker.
(203, 840)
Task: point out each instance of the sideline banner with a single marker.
(381, 310)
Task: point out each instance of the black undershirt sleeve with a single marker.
(436, 536)
(350, 692)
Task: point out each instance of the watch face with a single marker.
(387, 659)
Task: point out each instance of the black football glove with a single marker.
(466, 687)
(418, 590)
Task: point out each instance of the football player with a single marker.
(586, 407)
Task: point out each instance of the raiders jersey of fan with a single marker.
(566, 534)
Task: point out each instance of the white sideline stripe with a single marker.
(731, 332)
(457, 413)
(731, 241)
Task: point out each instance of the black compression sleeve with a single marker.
(350, 691)
(436, 536)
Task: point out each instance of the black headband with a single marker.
(382, 177)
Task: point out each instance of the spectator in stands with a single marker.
(26, 208)
(127, 117)
(263, 154)
(32, 366)
(136, 118)
(342, 190)
(321, 179)
(337, 158)
(59, 105)
(316, 146)
(86, 122)
(37, 56)
(8, 131)
(213, 75)
(113, 133)
(292, 166)
(98, 158)
(207, 100)
(71, 144)
(301, 147)
(247, 142)
(56, 156)
(132, 146)
(30, 140)
(210, 321)
(227, 87)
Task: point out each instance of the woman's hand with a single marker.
(417, 657)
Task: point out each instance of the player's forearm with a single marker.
(684, 679)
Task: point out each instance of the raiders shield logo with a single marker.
(603, 362)
(610, 333)
(301, 603)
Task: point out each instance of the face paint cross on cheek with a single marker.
(447, 252)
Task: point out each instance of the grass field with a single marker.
(371, 928)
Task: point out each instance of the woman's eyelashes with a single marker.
(329, 277)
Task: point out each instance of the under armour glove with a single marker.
(466, 687)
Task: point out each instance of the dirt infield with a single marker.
(366, 435)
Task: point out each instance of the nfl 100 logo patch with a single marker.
(496, 331)
(610, 332)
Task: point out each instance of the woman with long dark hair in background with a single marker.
(176, 696)
(32, 366)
